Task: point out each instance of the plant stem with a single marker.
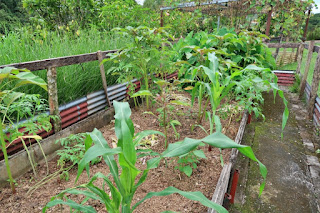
(165, 126)
(204, 110)
(6, 159)
(146, 82)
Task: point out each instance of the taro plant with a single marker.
(13, 78)
(142, 57)
(118, 197)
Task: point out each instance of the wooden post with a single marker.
(296, 56)
(314, 87)
(53, 97)
(161, 18)
(103, 76)
(306, 27)
(300, 55)
(306, 71)
(277, 50)
(269, 22)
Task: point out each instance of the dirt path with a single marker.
(293, 167)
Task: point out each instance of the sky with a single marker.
(141, 1)
(314, 10)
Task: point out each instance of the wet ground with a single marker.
(293, 168)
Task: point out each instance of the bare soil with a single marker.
(203, 179)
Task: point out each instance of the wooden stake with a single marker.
(269, 22)
(103, 76)
(314, 87)
(306, 71)
(300, 55)
(53, 97)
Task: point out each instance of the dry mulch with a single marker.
(203, 179)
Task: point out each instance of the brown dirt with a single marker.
(203, 179)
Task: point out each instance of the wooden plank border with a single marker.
(58, 62)
(223, 182)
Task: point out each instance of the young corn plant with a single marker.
(13, 78)
(118, 197)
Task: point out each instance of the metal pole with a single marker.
(306, 27)
(218, 23)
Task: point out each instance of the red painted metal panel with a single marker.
(285, 82)
(284, 75)
(73, 109)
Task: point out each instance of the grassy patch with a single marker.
(293, 66)
(74, 81)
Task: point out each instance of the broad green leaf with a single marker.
(93, 153)
(141, 93)
(29, 78)
(72, 204)
(187, 170)
(196, 196)
(199, 153)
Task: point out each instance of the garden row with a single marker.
(214, 68)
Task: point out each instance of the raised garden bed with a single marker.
(204, 177)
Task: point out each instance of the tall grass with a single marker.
(73, 81)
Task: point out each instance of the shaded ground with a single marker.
(290, 185)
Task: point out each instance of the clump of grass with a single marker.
(296, 85)
(73, 81)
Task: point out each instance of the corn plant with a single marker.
(125, 184)
(15, 78)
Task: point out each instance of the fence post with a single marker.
(306, 70)
(53, 97)
(103, 76)
(314, 87)
(161, 18)
(300, 56)
(269, 22)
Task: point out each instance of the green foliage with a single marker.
(124, 185)
(166, 111)
(143, 56)
(24, 107)
(17, 78)
(287, 19)
(227, 64)
(296, 85)
(73, 150)
(11, 15)
(188, 162)
(43, 44)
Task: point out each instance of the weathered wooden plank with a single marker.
(283, 45)
(53, 97)
(300, 56)
(306, 71)
(314, 88)
(58, 62)
(103, 76)
(223, 181)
